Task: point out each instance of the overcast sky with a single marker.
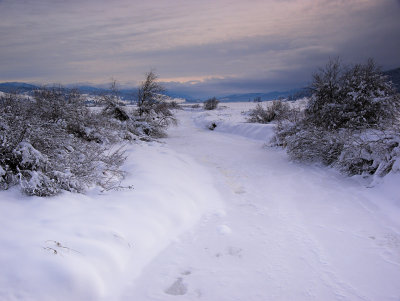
(201, 46)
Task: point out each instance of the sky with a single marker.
(201, 47)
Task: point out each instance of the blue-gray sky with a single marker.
(201, 46)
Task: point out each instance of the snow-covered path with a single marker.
(288, 232)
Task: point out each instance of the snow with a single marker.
(80, 247)
(214, 215)
(233, 121)
(231, 118)
(175, 99)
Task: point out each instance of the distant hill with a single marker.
(130, 94)
(17, 87)
(394, 76)
(290, 94)
(251, 96)
(85, 89)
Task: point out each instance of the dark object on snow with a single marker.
(212, 126)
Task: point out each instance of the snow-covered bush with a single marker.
(312, 145)
(371, 152)
(145, 129)
(112, 105)
(151, 123)
(148, 121)
(276, 111)
(351, 122)
(211, 104)
(162, 114)
(363, 152)
(352, 98)
(174, 105)
(259, 115)
(52, 143)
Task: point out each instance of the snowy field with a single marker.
(213, 215)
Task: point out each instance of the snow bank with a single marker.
(231, 118)
(77, 247)
(384, 192)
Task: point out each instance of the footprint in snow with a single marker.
(240, 190)
(236, 252)
(231, 251)
(177, 288)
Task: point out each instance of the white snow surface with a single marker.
(76, 247)
(214, 215)
(231, 118)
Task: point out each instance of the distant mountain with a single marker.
(85, 89)
(394, 76)
(291, 94)
(130, 94)
(20, 87)
(250, 96)
(17, 87)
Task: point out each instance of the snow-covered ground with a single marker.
(214, 215)
(76, 247)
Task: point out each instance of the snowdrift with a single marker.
(88, 247)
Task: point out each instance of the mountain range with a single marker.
(130, 94)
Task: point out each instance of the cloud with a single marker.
(230, 44)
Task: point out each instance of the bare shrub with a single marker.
(174, 105)
(211, 104)
(278, 110)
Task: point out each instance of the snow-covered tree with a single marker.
(149, 93)
(153, 112)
